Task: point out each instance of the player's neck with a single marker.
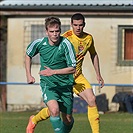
(81, 35)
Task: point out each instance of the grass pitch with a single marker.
(16, 122)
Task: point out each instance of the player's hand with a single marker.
(30, 80)
(100, 81)
(47, 72)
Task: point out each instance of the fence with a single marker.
(95, 87)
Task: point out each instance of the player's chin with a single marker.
(55, 40)
(78, 33)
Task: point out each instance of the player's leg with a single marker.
(42, 115)
(93, 114)
(84, 90)
(68, 122)
(55, 116)
(51, 99)
(66, 108)
(33, 120)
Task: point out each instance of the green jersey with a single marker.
(55, 57)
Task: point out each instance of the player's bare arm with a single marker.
(30, 78)
(95, 61)
(49, 72)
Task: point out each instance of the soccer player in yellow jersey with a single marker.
(83, 43)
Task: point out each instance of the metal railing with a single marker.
(93, 84)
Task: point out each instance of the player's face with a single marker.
(53, 33)
(78, 26)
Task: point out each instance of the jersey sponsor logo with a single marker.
(80, 48)
(44, 43)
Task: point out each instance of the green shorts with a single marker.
(62, 94)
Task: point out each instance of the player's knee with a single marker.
(54, 112)
(93, 98)
(92, 101)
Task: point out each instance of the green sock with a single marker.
(67, 128)
(57, 124)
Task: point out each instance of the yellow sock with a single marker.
(93, 117)
(42, 115)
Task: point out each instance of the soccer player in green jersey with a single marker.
(83, 42)
(57, 57)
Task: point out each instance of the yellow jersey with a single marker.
(81, 46)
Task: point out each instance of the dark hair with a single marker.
(77, 16)
(52, 21)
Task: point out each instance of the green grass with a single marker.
(16, 122)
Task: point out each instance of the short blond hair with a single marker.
(52, 21)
